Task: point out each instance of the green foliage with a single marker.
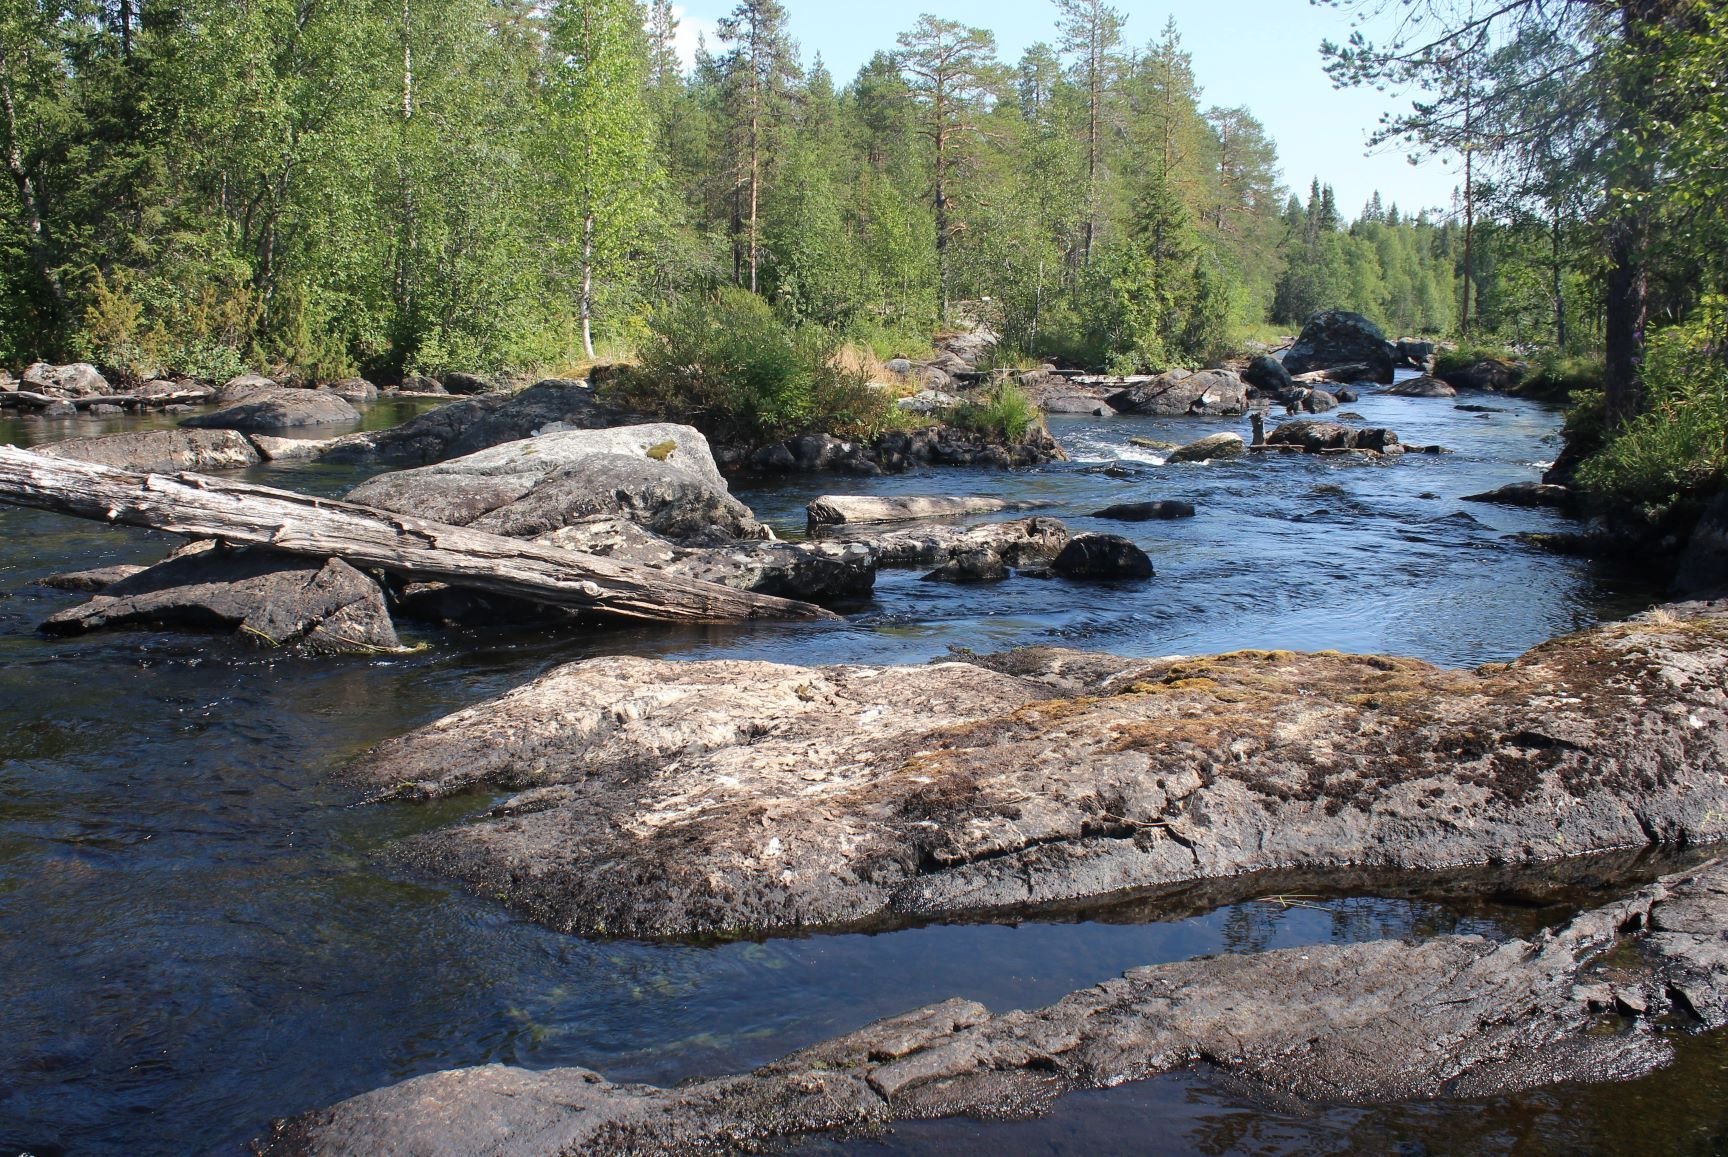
(727, 363)
(1005, 414)
(1677, 449)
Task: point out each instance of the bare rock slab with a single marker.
(278, 410)
(659, 475)
(161, 451)
(1378, 1021)
(734, 798)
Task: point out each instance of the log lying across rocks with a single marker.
(243, 514)
(27, 399)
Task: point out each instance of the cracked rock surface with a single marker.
(1381, 1021)
(669, 799)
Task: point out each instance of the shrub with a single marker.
(1677, 449)
(728, 365)
(1005, 414)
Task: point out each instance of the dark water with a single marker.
(199, 933)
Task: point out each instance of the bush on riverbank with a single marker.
(1005, 414)
(1677, 449)
(727, 364)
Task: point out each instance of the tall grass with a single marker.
(1677, 449)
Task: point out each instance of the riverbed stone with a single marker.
(77, 380)
(1489, 374)
(278, 410)
(804, 797)
(1101, 557)
(479, 423)
(1380, 1021)
(1212, 446)
(1208, 393)
(263, 596)
(1162, 510)
(839, 509)
(1423, 387)
(1525, 494)
(160, 451)
(1316, 436)
(659, 475)
(1339, 338)
(1020, 543)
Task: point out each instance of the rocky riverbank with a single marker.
(1457, 1016)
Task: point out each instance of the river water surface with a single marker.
(198, 932)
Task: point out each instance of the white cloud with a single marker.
(688, 33)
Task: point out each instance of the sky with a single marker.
(1261, 54)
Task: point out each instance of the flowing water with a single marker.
(198, 932)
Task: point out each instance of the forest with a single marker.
(473, 184)
(393, 186)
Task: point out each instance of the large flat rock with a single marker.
(161, 451)
(658, 475)
(278, 409)
(667, 799)
(1387, 1020)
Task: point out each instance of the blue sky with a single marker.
(1263, 54)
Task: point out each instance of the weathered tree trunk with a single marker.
(247, 515)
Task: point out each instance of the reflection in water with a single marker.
(199, 933)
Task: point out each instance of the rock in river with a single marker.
(1525, 494)
(1210, 447)
(1147, 511)
(264, 596)
(658, 475)
(1423, 387)
(1209, 393)
(1315, 437)
(838, 509)
(1339, 338)
(784, 797)
(1385, 1020)
(278, 410)
(161, 451)
(1101, 557)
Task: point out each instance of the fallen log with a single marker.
(21, 399)
(841, 509)
(243, 514)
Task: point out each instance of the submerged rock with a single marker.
(979, 566)
(265, 596)
(659, 475)
(1525, 494)
(160, 451)
(1147, 511)
(1386, 1020)
(834, 796)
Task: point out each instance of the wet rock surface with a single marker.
(1023, 542)
(1161, 510)
(742, 797)
(270, 598)
(1379, 1021)
(658, 475)
(1101, 557)
(1423, 387)
(1317, 437)
(838, 509)
(1210, 447)
(1525, 494)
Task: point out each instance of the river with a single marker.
(199, 933)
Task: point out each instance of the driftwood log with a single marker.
(26, 399)
(243, 514)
